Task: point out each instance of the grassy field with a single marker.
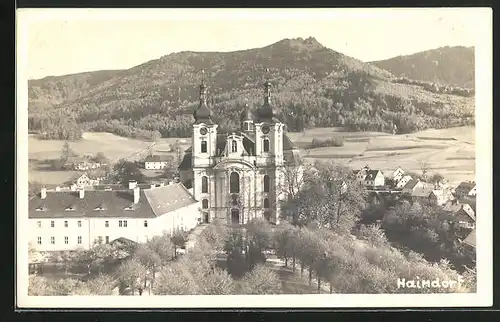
(450, 152)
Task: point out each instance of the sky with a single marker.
(65, 41)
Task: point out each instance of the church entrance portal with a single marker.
(235, 216)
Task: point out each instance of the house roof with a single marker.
(116, 203)
(471, 239)
(371, 174)
(466, 186)
(168, 198)
(423, 191)
(454, 207)
(158, 158)
(411, 184)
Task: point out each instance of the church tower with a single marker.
(204, 143)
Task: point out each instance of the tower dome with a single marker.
(266, 112)
(247, 114)
(202, 113)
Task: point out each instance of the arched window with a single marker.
(246, 126)
(266, 203)
(204, 184)
(204, 204)
(234, 146)
(234, 183)
(266, 183)
(203, 146)
(266, 145)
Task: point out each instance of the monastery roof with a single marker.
(115, 203)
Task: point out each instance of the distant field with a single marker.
(450, 152)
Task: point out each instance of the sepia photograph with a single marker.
(233, 158)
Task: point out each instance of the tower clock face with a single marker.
(265, 129)
(203, 131)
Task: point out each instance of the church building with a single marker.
(241, 174)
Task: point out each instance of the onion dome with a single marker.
(266, 112)
(202, 113)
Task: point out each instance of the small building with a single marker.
(467, 188)
(82, 164)
(402, 182)
(440, 196)
(458, 213)
(411, 186)
(87, 180)
(397, 174)
(157, 162)
(471, 239)
(370, 178)
(421, 192)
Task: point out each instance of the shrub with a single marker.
(335, 141)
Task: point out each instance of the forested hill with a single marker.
(314, 86)
(453, 66)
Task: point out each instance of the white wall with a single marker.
(91, 228)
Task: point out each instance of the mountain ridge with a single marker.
(313, 86)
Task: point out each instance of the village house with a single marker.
(157, 162)
(87, 180)
(402, 182)
(461, 214)
(440, 196)
(467, 188)
(67, 220)
(370, 178)
(397, 174)
(82, 164)
(421, 192)
(471, 239)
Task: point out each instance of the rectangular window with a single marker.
(124, 223)
(39, 240)
(66, 240)
(266, 145)
(79, 240)
(106, 223)
(107, 239)
(52, 223)
(203, 146)
(39, 224)
(52, 240)
(65, 223)
(145, 223)
(120, 223)
(79, 223)
(99, 239)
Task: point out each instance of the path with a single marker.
(193, 235)
(325, 287)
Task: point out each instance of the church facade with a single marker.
(241, 174)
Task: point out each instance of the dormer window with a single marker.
(40, 208)
(234, 146)
(100, 207)
(129, 208)
(70, 208)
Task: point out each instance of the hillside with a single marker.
(452, 66)
(314, 86)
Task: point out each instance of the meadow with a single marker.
(450, 152)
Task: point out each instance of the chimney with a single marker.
(152, 186)
(58, 188)
(132, 184)
(82, 193)
(137, 192)
(43, 193)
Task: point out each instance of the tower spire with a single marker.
(203, 89)
(267, 89)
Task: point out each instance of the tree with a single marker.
(424, 167)
(436, 179)
(126, 171)
(66, 153)
(131, 274)
(175, 279)
(149, 259)
(101, 158)
(163, 246)
(259, 234)
(178, 239)
(261, 280)
(284, 242)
